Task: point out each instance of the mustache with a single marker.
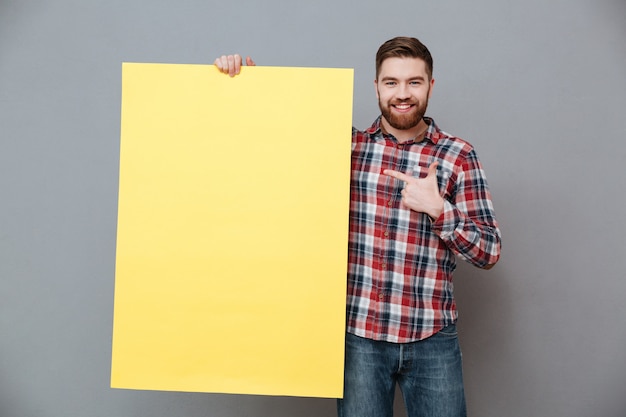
(394, 102)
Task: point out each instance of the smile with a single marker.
(403, 107)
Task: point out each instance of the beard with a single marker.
(403, 121)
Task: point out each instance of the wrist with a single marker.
(436, 211)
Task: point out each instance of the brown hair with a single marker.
(404, 47)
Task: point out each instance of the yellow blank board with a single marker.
(232, 230)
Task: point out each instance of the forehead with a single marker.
(403, 68)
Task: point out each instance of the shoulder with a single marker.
(452, 143)
(364, 135)
(359, 136)
(449, 144)
(458, 153)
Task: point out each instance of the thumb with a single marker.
(432, 169)
(250, 62)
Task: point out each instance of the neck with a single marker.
(404, 135)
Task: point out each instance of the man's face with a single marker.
(403, 88)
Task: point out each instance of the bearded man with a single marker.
(419, 200)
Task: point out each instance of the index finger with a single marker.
(398, 175)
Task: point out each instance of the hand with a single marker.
(231, 64)
(421, 194)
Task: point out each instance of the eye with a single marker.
(390, 83)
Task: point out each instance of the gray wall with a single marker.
(537, 86)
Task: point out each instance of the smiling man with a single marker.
(419, 200)
(403, 87)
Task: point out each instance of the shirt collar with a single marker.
(433, 133)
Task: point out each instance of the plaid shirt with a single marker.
(401, 261)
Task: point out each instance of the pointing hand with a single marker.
(421, 194)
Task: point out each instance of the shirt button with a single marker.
(381, 295)
(389, 203)
(384, 266)
(386, 234)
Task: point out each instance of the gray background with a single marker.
(537, 86)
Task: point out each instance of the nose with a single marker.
(403, 92)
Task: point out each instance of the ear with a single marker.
(430, 89)
(376, 88)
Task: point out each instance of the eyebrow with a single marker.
(418, 77)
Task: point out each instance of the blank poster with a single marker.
(232, 230)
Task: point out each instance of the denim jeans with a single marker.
(429, 373)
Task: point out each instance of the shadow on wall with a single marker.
(484, 300)
(199, 404)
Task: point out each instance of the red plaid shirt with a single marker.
(400, 261)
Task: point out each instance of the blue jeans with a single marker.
(429, 373)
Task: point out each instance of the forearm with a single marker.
(478, 241)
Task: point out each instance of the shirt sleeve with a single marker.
(468, 225)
